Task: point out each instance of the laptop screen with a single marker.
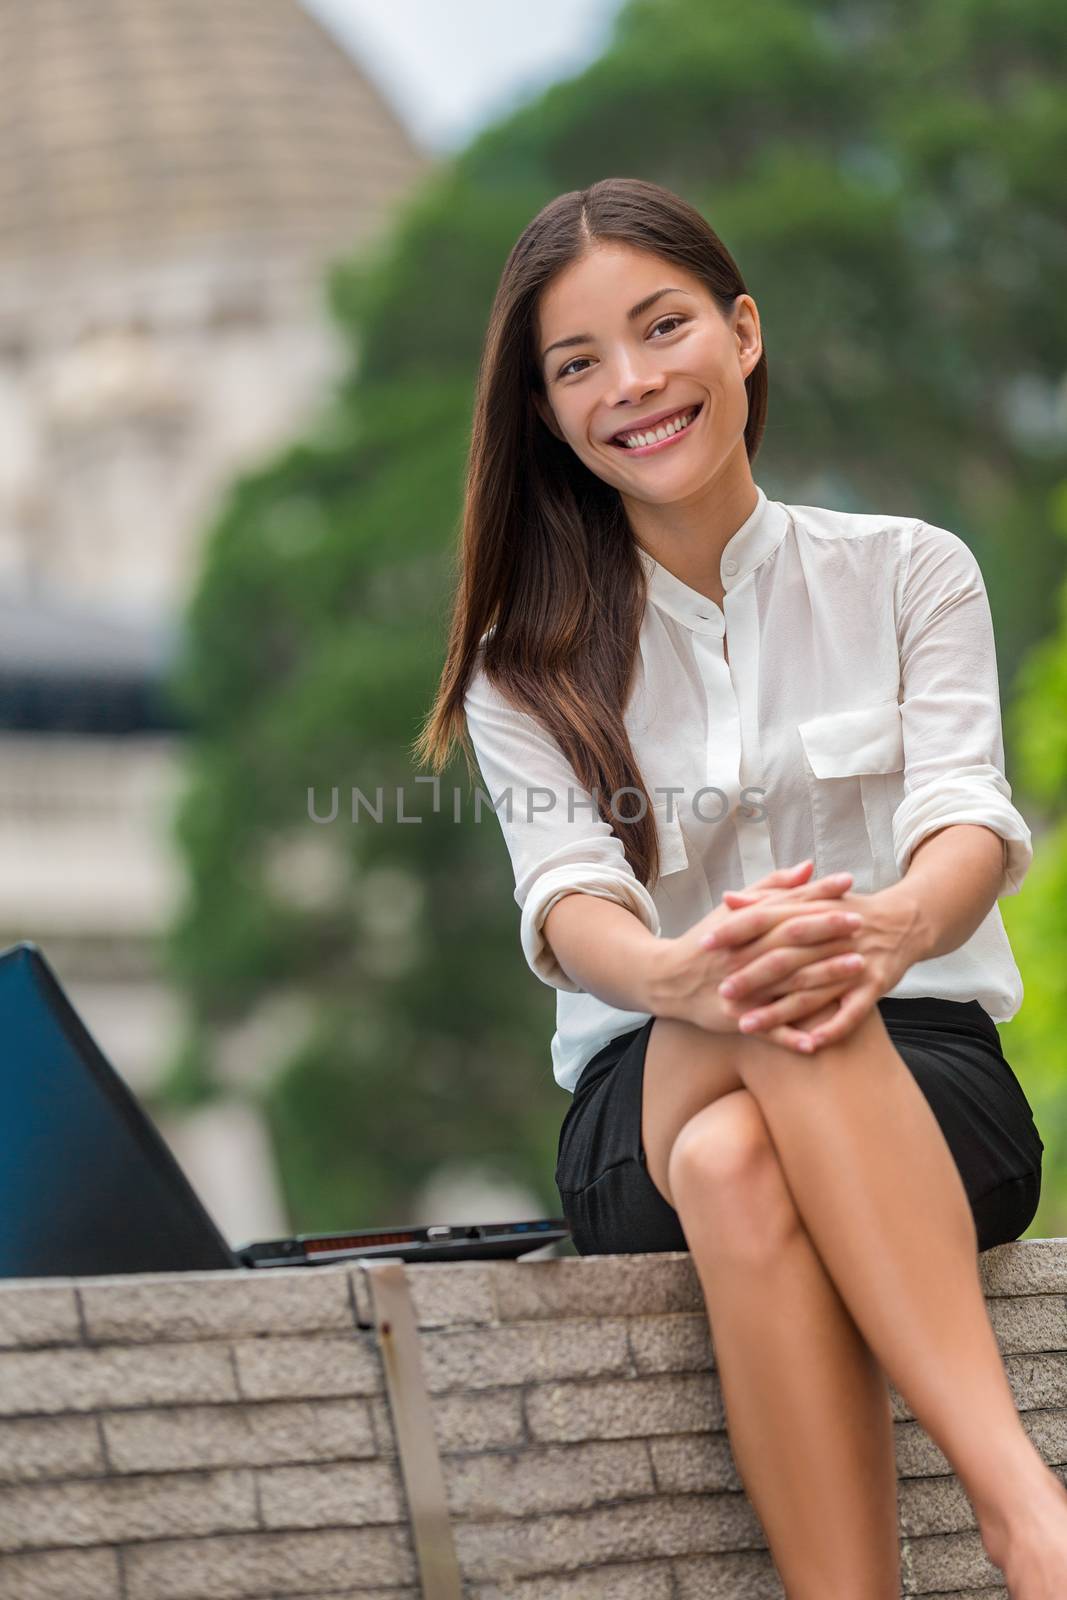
(87, 1183)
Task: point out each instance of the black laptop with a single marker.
(88, 1185)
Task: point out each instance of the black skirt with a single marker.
(952, 1049)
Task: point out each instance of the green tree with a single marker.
(1035, 921)
(888, 177)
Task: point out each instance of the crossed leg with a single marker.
(835, 1244)
(807, 1405)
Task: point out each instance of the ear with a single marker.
(747, 330)
(544, 411)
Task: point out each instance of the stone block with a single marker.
(1038, 1380)
(486, 1420)
(151, 1307)
(527, 1352)
(632, 1580)
(61, 1575)
(946, 1563)
(251, 1566)
(632, 1408)
(934, 1505)
(729, 1575)
(50, 1447)
(632, 1530)
(349, 1494)
(1027, 1323)
(1028, 1266)
(694, 1463)
(38, 1311)
(306, 1369)
(354, 1594)
(534, 1480)
(596, 1286)
(170, 1439)
(88, 1380)
(101, 1511)
(678, 1343)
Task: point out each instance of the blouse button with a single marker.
(729, 566)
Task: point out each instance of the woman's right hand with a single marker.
(807, 923)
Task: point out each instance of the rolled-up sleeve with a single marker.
(950, 707)
(557, 841)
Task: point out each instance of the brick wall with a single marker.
(211, 1435)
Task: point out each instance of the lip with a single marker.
(651, 422)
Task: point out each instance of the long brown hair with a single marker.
(546, 557)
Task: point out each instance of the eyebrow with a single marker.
(634, 312)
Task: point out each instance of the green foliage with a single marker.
(889, 179)
(1035, 920)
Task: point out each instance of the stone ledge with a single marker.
(230, 1434)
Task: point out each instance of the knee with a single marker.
(726, 1179)
(725, 1147)
(768, 1068)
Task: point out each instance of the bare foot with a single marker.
(1032, 1553)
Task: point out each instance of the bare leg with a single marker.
(885, 1207)
(807, 1405)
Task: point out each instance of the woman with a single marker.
(674, 685)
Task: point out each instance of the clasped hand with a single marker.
(790, 956)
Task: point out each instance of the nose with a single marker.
(632, 388)
(633, 381)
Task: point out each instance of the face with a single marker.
(677, 354)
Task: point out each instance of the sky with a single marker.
(451, 66)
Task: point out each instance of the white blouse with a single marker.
(859, 711)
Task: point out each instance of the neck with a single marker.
(689, 536)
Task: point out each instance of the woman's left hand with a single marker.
(885, 939)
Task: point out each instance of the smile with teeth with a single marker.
(663, 430)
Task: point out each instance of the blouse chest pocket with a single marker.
(854, 765)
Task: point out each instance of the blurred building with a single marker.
(175, 179)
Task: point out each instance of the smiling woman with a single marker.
(612, 534)
(833, 1204)
(646, 382)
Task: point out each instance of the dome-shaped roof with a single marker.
(139, 127)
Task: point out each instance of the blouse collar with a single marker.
(758, 536)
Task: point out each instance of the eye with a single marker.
(563, 371)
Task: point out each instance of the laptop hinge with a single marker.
(397, 1332)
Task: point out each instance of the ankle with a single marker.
(1022, 1510)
